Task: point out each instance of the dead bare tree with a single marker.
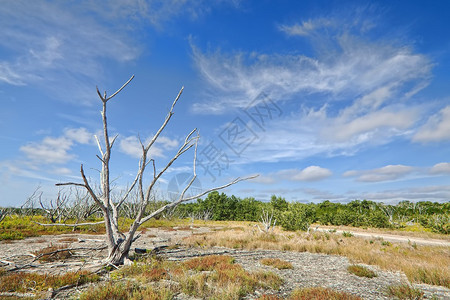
(28, 208)
(3, 213)
(55, 211)
(389, 211)
(119, 243)
(267, 222)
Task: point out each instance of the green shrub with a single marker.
(347, 234)
(298, 217)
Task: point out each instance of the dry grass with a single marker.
(53, 253)
(421, 264)
(405, 291)
(208, 277)
(416, 231)
(314, 293)
(125, 291)
(361, 271)
(319, 293)
(277, 263)
(22, 282)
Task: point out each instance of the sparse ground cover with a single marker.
(421, 264)
(25, 282)
(16, 227)
(208, 277)
(203, 277)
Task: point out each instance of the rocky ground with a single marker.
(309, 269)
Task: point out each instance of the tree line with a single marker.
(299, 216)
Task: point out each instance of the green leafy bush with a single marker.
(297, 217)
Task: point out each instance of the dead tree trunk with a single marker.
(119, 243)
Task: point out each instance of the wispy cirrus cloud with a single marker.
(56, 48)
(157, 12)
(386, 173)
(358, 68)
(351, 96)
(437, 128)
(63, 47)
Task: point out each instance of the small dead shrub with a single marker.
(53, 253)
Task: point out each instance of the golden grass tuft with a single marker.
(208, 263)
(277, 263)
(361, 271)
(405, 291)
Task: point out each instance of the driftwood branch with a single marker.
(70, 225)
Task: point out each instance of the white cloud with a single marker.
(371, 122)
(56, 150)
(131, 146)
(425, 193)
(264, 179)
(61, 171)
(166, 142)
(155, 12)
(303, 29)
(436, 129)
(49, 151)
(311, 173)
(440, 168)
(79, 135)
(353, 95)
(58, 47)
(356, 67)
(386, 173)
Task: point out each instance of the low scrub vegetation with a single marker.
(21, 282)
(421, 265)
(208, 277)
(126, 291)
(361, 271)
(16, 227)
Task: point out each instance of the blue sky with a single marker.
(326, 100)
